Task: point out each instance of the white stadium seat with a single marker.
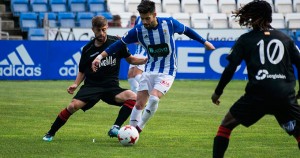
(131, 5)
(278, 21)
(199, 20)
(171, 6)
(233, 22)
(184, 18)
(226, 6)
(292, 20)
(283, 6)
(218, 20)
(116, 6)
(163, 15)
(240, 3)
(209, 6)
(190, 6)
(296, 5)
(158, 5)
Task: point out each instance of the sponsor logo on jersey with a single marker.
(108, 61)
(19, 63)
(71, 65)
(263, 74)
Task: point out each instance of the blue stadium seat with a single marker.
(77, 5)
(39, 5)
(28, 20)
(107, 15)
(84, 19)
(66, 19)
(18, 6)
(52, 19)
(96, 5)
(58, 5)
(36, 34)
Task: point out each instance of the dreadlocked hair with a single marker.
(256, 14)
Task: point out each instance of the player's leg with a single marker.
(162, 84)
(124, 98)
(63, 117)
(221, 140)
(136, 114)
(131, 79)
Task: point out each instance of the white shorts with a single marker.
(158, 81)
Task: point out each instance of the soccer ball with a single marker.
(128, 135)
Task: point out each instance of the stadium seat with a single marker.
(66, 19)
(218, 20)
(233, 23)
(190, 6)
(18, 6)
(163, 15)
(209, 6)
(292, 20)
(278, 21)
(184, 18)
(116, 6)
(171, 6)
(36, 34)
(296, 5)
(96, 5)
(77, 5)
(158, 5)
(107, 15)
(226, 6)
(284, 7)
(240, 3)
(39, 5)
(199, 20)
(51, 20)
(58, 5)
(84, 19)
(28, 20)
(131, 5)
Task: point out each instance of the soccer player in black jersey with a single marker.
(100, 85)
(269, 55)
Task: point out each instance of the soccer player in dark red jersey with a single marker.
(269, 55)
(100, 85)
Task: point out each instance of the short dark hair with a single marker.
(146, 6)
(99, 21)
(257, 14)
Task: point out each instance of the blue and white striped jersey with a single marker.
(140, 50)
(160, 42)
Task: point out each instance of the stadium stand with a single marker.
(96, 6)
(292, 20)
(84, 19)
(107, 15)
(51, 19)
(158, 6)
(278, 21)
(18, 6)
(296, 5)
(116, 6)
(226, 6)
(199, 20)
(171, 6)
(218, 20)
(163, 14)
(209, 6)
(36, 34)
(131, 5)
(58, 5)
(28, 20)
(66, 19)
(183, 18)
(77, 5)
(190, 6)
(284, 7)
(232, 22)
(39, 5)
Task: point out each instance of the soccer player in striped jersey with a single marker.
(156, 34)
(270, 56)
(135, 71)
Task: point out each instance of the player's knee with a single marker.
(129, 103)
(291, 127)
(73, 107)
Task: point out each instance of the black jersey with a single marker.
(269, 56)
(108, 74)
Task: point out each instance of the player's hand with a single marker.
(72, 88)
(96, 63)
(145, 60)
(209, 46)
(215, 98)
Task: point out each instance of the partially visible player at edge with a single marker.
(156, 34)
(101, 85)
(269, 55)
(135, 71)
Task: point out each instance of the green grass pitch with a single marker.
(183, 127)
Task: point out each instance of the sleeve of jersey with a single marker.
(115, 47)
(194, 35)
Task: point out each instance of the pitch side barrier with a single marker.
(58, 60)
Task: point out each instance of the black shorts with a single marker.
(249, 109)
(92, 94)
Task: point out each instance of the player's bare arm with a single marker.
(79, 78)
(136, 60)
(96, 62)
(209, 46)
